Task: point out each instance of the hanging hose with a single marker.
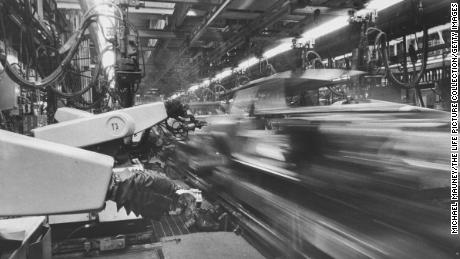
(94, 82)
(68, 50)
(59, 72)
(381, 43)
(81, 104)
(315, 60)
(221, 91)
(70, 95)
(87, 106)
(50, 79)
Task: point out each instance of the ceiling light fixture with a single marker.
(379, 5)
(193, 88)
(223, 74)
(283, 47)
(317, 32)
(248, 63)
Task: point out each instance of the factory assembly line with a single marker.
(228, 129)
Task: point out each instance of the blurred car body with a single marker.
(359, 180)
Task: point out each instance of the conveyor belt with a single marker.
(345, 224)
(169, 226)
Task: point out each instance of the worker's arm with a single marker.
(148, 193)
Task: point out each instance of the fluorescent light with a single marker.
(206, 82)
(326, 28)
(248, 63)
(321, 30)
(342, 21)
(347, 55)
(163, 11)
(223, 74)
(193, 88)
(192, 13)
(379, 5)
(160, 5)
(283, 47)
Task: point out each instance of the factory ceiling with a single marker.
(184, 40)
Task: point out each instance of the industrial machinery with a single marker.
(101, 60)
(95, 169)
(226, 128)
(85, 179)
(326, 180)
(141, 191)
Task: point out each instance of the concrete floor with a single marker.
(149, 251)
(212, 245)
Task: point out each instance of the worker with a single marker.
(148, 193)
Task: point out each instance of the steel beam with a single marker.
(195, 35)
(273, 14)
(208, 20)
(148, 10)
(178, 17)
(160, 34)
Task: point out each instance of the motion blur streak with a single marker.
(358, 181)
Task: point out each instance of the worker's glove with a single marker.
(148, 193)
(175, 109)
(185, 204)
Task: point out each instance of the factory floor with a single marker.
(136, 252)
(171, 240)
(210, 245)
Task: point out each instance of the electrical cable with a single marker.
(59, 72)
(315, 60)
(83, 105)
(73, 232)
(57, 76)
(93, 83)
(221, 88)
(87, 106)
(381, 40)
(52, 78)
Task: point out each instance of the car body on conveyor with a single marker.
(368, 179)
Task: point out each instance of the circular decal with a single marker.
(116, 126)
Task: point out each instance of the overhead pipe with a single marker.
(394, 21)
(95, 33)
(273, 14)
(196, 35)
(187, 44)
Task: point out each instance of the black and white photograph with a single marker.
(233, 129)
